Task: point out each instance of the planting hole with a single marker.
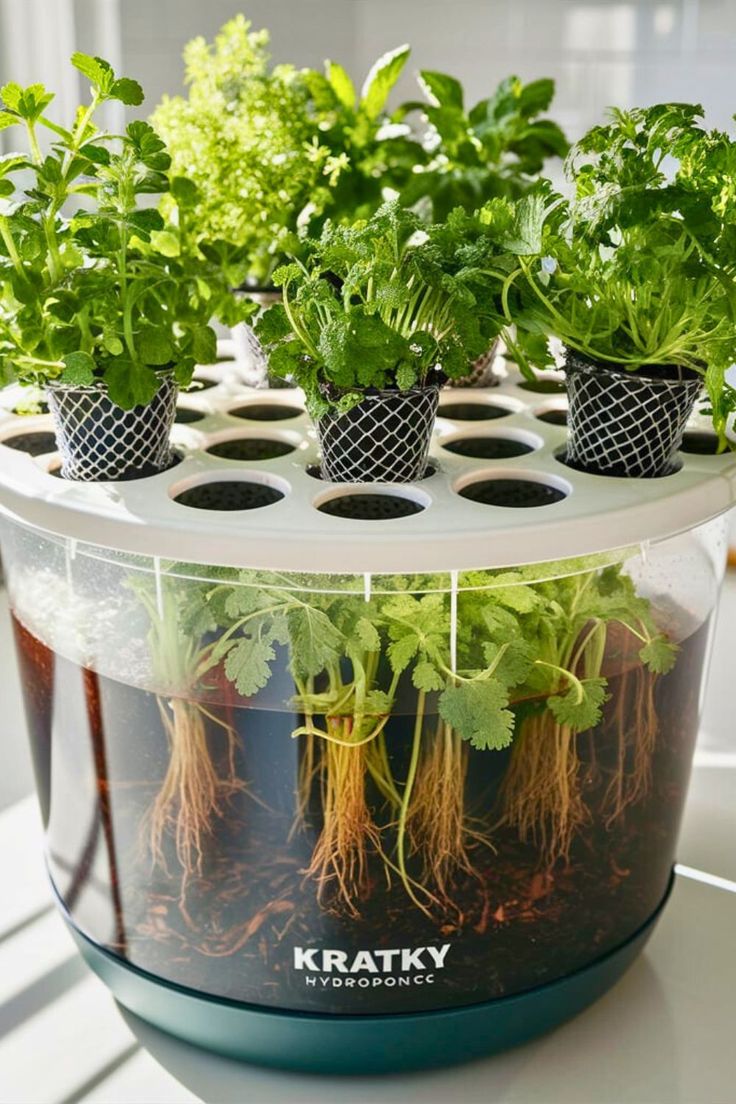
(267, 412)
(489, 448)
(229, 494)
(368, 506)
(186, 416)
(251, 448)
(543, 386)
(553, 417)
(698, 442)
(615, 471)
(517, 493)
(472, 411)
(34, 443)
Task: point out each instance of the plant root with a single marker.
(541, 796)
(438, 825)
(191, 795)
(636, 734)
(340, 860)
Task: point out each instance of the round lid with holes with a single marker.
(246, 491)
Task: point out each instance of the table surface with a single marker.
(663, 1035)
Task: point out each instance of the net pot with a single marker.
(481, 372)
(624, 423)
(383, 439)
(249, 355)
(98, 440)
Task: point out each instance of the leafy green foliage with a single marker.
(95, 286)
(478, 712)
(579, 707)
(637, 269)
(247, 138)
(492, 150)
(385, 303)
(370, 155)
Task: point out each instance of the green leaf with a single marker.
(425, 676)
(131, 385)
(477, 711)
(580, 706)
(341, 84)
(166, 243)
(315, 642)
(95, 69)
(247, 664)
(10, 95)
(79, 370)
(7, 119)
(367, 634)
(381, 79)
(402, 651)
(441, 89)
(127, 91)
(154, 346)
(536, 96)
(659, 655)
(204, 345)
(184, 191)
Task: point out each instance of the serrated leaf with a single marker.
(247, 664)
(580, 706)
(381, 79)
(7, 119)
(127, 91)
(95, 69)
(659, 655)
(425, 676)
(402, 651)
(367, 634)
(315, 642)
(79, 370)
(477, 711)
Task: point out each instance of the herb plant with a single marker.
(246, 136)
(95, 289)
(387, 302)
(495, 148)
(370, 153)
(637, 268)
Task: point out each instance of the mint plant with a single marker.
(96, 290)
(388, 302)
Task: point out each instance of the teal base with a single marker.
(359, 1044)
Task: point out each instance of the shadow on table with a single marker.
(622, 1046)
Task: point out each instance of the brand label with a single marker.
(401, 966)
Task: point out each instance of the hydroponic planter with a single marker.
(360, 777)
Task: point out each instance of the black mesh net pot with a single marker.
(98, 440)
(625, 423)
(384, 439)
(481, 372)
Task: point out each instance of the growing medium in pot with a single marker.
(374, 318)
(102, 302)
(274, 766)
(635, 276)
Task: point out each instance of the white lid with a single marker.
(450, 532)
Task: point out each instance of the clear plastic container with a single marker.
(361, 794)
